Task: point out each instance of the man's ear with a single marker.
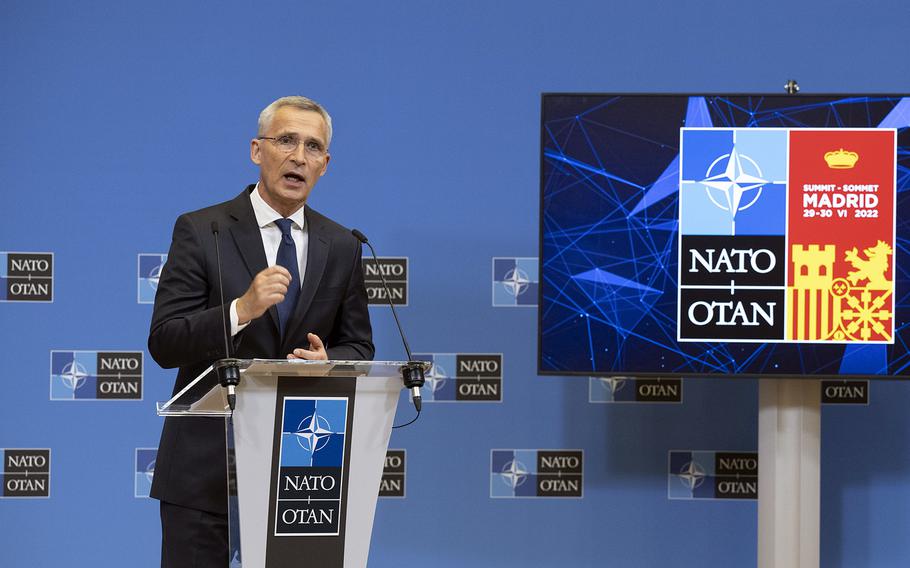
(256, 151)
(325, 166)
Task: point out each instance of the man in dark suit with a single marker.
(267, 238)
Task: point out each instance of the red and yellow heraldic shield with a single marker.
(840, 230)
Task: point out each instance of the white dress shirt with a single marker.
(271, 239)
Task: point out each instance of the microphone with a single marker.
(228, 369)
(412, 373)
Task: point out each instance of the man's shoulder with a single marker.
(327, 226)
(219, 209)
(223, 213)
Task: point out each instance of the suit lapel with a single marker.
(317, 255)
(248, 238)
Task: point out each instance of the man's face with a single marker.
(286, 178)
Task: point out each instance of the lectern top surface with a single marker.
(204, 397)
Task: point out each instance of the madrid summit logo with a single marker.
(26, 473)
(310, 467)
(96, 375)
(150, 267)
(515, 282)
(395, 272)
(26, 277)
(712, 475)
(144, 471)
(536, 473)
(785, 235)
(605, 390)
(462, 377)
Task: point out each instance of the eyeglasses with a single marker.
(287, 143)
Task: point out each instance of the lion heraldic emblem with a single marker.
(873, 268)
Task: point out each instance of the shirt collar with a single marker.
(265, 215)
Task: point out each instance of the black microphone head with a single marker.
(214, 226)
(360, 236)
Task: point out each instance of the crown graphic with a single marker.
(841, 159)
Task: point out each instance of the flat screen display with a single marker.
(724, 235)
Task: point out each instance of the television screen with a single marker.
(722, 235)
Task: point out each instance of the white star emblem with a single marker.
(73, 375)
(435, 378)
(734, 183)
(150, 470)
(313, 433)
(692, 475)
(516, 281)
(514, 473)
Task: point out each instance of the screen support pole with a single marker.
(789, 447)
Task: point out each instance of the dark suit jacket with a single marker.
(187, 329)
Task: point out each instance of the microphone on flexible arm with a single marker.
(412, 372)
(228, 369)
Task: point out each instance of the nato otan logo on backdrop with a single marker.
(150, 267)
(96, 375)
(395, 272)
(26, 277)
(462, 377)
(845, 392)
(392, 484)
(26, 473)
(515, 282)
(536, 473)
(310, 466)
(712, 475)
(144, 471)
(605, 390)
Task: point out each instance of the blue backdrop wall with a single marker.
(118, 116)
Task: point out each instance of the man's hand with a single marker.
(267, 289)
(315, 352)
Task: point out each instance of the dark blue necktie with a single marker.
(287, 257)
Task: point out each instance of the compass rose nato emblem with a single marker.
(313, 433)
(731, 187)
(73, 375)
(515, 281)
(435, 380)
(514, 474)
(692, 475)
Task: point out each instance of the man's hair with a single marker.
(302, 103)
